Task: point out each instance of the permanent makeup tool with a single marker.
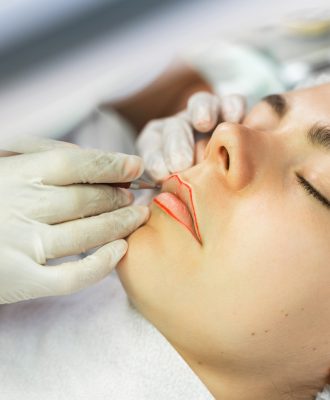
(137, 184)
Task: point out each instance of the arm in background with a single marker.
(165, 96)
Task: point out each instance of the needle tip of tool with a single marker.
(149, 185)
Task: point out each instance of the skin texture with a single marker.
(248, 309)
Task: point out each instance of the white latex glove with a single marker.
(167, 145)
(45, 195)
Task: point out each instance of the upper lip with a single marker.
(172, 185)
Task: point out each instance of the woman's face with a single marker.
(254, 292)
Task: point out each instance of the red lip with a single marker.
(182, 193)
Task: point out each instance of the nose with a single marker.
(233, 150)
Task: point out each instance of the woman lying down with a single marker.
(227, 282)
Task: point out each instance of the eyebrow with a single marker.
(277, 103)
(318, 135)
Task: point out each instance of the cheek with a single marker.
(260, 272)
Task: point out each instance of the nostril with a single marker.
(225, 156)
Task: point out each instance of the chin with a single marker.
(132, 269)
(142, 269)
(157, 263)
(142, 248)
(132, 247)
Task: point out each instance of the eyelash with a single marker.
(313, 192)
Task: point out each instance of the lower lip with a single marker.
(176, 208)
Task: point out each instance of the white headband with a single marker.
(315, 80)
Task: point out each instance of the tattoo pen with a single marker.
(137, 184)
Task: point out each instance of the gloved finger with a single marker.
(68, 166)
(157, 167)
(178, 144)
(70, 277)
(203, 109)
(233, 108)
(146, 197)
(200, 147)
(74, 237)
(67, 203)
(33, 144)
(150, 147)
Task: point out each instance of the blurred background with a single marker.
(59, 59)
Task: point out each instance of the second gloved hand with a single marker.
(167, 145)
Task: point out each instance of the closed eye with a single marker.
(312, 191)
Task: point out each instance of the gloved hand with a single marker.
(54, 202)
(167, 145)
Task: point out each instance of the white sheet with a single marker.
(91, 345)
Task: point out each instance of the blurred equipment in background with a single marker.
(300, 46)
(35, 31)
(269, 59)
(58, 59)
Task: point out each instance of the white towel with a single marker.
(91, 345)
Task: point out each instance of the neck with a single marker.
(234, 385)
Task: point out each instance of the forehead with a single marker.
(310, 105)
